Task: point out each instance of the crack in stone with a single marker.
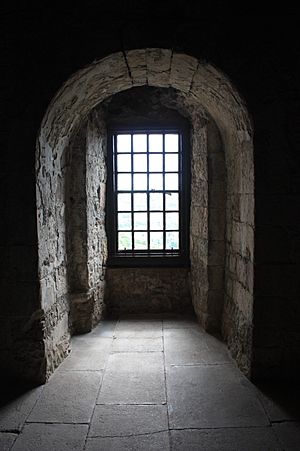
(10, 431)
(129, 435)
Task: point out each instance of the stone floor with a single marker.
(149, 384)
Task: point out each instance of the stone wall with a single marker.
(148, 290)
(87, 248)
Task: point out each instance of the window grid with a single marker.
(148, 191)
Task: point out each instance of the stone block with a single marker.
(158, 67)
(182, 71)
(138, 67)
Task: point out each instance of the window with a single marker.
(147, 197)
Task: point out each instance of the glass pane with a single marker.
(140, 143)
(124, 163)
(140, 221)
(124, 241)
(155, 163)
(124, 202)
(171, 182)
(140, 163)
(139, 182)
(140, 240)
(124, 182)
(156, 201)
(124, 143)
(171, 162)
(139, 201)
(156, 240)
(155, 143)
(156, 221)
(124, 221)
(172, 240)
(172, 221)
(171, 143)
(155, 182)
(171, 201)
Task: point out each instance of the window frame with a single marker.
(149, 258)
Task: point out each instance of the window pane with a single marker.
(155, 143)
(139, 182)
(140, 240)
(140, 221)
(156, 201)
(171, 162)
(171, 182)
(172, 221)
(124, 143)
(124, 241)
(140, 163)
(124, 202)
(155, 163)
(140, 143)
(139, 201)
(124, 221)
(155, 182)
(156, 240)
(171, 143)
(156, 221)
(172, 240)
(124, 163)
(124, 182)
(171, 201)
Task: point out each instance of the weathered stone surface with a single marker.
(198, 394)
(225, 439)
(147, 290)
(52, 436)
(138, 328)
(7, 440)
(191, 346)
(68, 397)
(15, 409)
(149, 442)
(183, 68)
(111, 421)
(136, 60)
(147, 385)
(142, 345)
(158, 67)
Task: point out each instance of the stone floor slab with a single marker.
(91, 342)
(6, 440)
(288, 434)
(225, 439)
(133, 378)
(180, 323)
(16, 407)
(211, 397)
(137, 345)
(193, 346)
(85, 360)
(105, 329)
(133, 328)
(68, 397)
(112, 421)
(51, 437)
(149, 442)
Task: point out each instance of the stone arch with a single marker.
(201, 86)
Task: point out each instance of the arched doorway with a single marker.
(202, 88)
